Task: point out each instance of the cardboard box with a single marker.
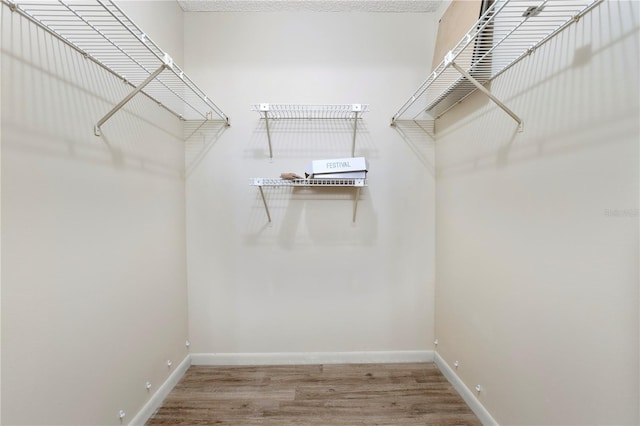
(339, 165)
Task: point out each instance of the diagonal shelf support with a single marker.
(96, 129)
(264, 201)
(484, 90)
(355, 203)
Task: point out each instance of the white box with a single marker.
(344, 175)
(339, 165)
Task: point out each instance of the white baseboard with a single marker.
(156, 399)
(300, 358)
(466, 394)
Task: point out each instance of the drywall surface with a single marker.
(93, 266)
(0, 231)
(162, 21)
(537, 232)
(311, 280)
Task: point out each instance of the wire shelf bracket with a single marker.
(484, 90)
(507, 32)
(122, 103)
(357, 184)
(289, 111)
(102, 33)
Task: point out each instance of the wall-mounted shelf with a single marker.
(357, 184)
(290, 111)
(507, 32)
(102, 33)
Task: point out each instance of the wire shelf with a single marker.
(508, 31)
(336, 111)
(102, 32)
(312, 182)
(357, 184)
(293, 111)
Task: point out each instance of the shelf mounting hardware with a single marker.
(356, 108)
(264, 108)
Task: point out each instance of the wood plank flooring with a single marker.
(353, 394)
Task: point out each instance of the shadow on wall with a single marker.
(312, 217)
(560, 100)
(310, 139)
(419, 136)
(199, 137)
(52, 97)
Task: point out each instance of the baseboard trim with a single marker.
(156, 399)
(300, 358)
(466, 394)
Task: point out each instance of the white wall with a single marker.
(311, 281)
(162, 21)
(537, 232)
(0, 230)
(93, 245)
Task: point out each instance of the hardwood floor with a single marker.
(353, 394)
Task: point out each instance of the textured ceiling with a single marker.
(310, 5)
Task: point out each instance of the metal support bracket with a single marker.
(355, 203)
(152, 76)
(264, 201)
(488, 93)
(264, 108)
(356, 108)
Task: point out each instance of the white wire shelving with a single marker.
(508, 31)
(356, 183)
(101, 32)
(269, 111)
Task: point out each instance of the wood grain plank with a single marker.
(354, 394)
